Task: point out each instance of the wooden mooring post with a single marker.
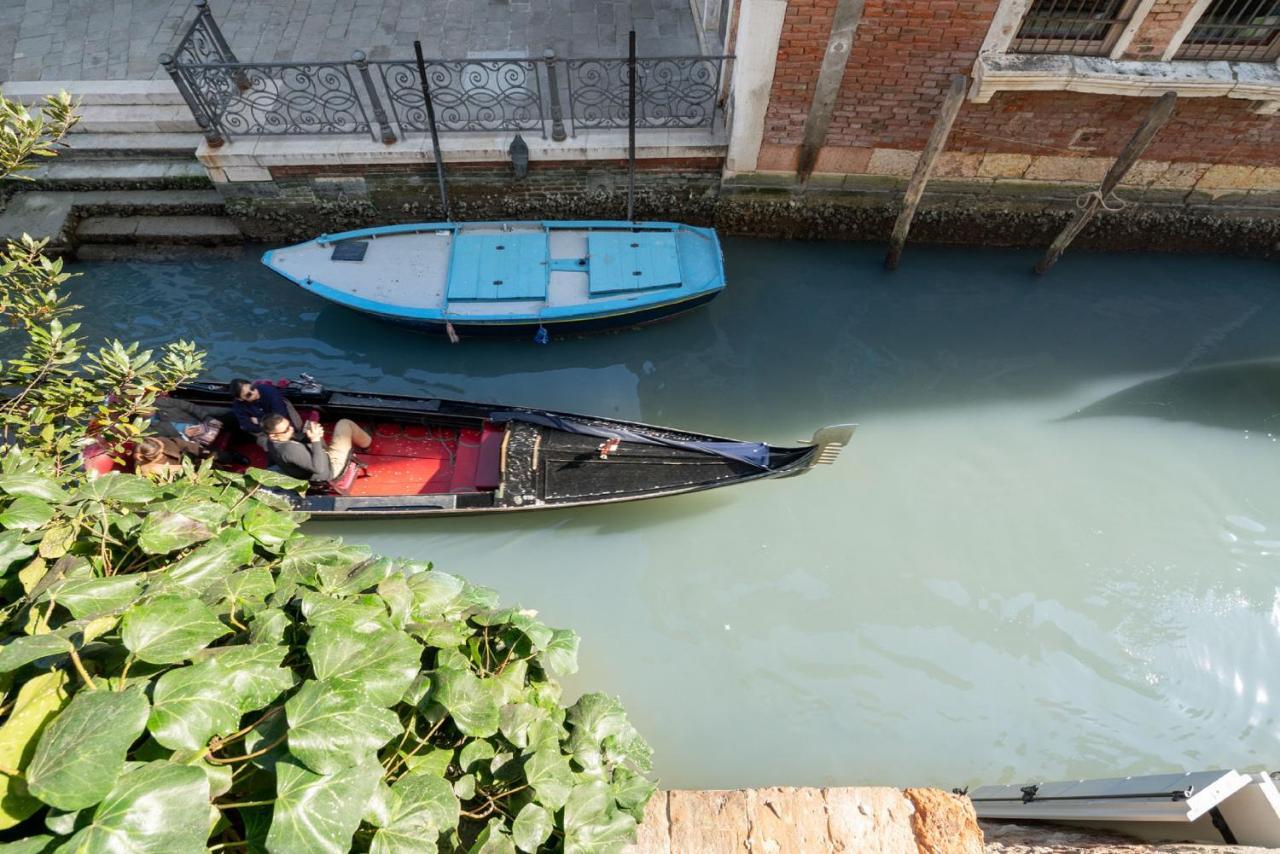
(924, 167)
(1159, 113)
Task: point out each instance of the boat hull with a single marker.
(435, 457)
(511, 278)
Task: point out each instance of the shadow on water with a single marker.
(1238, 396)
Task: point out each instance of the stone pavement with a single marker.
(121, 39)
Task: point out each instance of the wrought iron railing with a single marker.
(230, 98)
(1241, 30)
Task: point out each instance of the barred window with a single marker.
(1243, 30)
(1082, 27)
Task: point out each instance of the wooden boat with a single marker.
(511, 277)
(434, 457)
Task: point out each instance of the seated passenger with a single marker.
(255, 401)
(308, 458)
(177, 418)
(160, 457)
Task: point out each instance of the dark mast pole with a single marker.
(431, 123)
(631, 127)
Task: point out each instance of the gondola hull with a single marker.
(435, 457)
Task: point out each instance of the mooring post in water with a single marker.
(1160, 112)
(631, 127)
(924, 167)
(431, 123)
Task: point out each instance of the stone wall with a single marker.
(865, 820)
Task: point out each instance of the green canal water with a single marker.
(1052, 549)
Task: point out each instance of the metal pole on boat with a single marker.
(631, 127)
(431, 123)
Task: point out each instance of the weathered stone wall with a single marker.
(865, 820)
(1002, 200)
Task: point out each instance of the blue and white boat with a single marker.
(511, 277)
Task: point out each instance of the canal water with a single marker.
(1051, 551)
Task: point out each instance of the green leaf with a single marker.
(214, 560)
(473, 752)
(253, 673)
(57, 540)
(13, 549)
(154, 809)
(591, 825)
(560, 658)
(469, 700)
(39, 699)
(631, 791)
(117, 486)
(380, 663)
(421, 807)
(395, 592)
(170, 629)
(167, 531)
(412, 840)
(538, 634)
(26, 649)
(317, 812)
(269, 527)
(275, 480)
(333, 727)
(32, 485)
(600, 730)
(190, 706)
(269, 626)
(88, 597)
(435, 594)
(81, 753)
(248, 588)
(433, 760)
(531, 828)
(26, 513)
(41, 844)
(515, 720)
(550, 777)
(494, 839)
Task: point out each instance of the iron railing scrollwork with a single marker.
(230, 98)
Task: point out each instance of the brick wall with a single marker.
(902, 59)
(1157, 29)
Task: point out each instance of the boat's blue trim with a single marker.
(711, 272)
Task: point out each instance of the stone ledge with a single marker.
(998, 72)
(588, 145)
(866, 820)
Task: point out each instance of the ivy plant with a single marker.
(185, 669)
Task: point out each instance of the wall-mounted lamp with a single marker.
(519, 153)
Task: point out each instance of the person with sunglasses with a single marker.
(309, 458)
(255, 401)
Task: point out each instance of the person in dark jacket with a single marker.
(309, 458)
(255, 401)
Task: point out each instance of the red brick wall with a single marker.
(903, 55)
(1157, 29)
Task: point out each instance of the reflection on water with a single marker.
(1050, 551)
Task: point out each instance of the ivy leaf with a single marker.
(167, 531)
(117, 486)
(631, 791)
(26, 513)
(39, 699)
(248, 587)
(269, 527)
(153, 809)
(469, 700)
(190, 706)
(550, 777)
(81, 753)
(253, 673)
(334, 727)
(13, 549)
(381, 663)
(57, 540)
(560, 658)
(305, 556)
(88, 597)
(214, 560)
(275, 480)
(319, 812)
(434, 594)
(27, 648)
(32, 485)
(531, 828)
(494, 839)
(170, 629)
(538, 634)
(421, 806)
(591, 826)
(514, 720)
(269, 626)
(41, 844)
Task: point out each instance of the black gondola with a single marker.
(442, 457)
